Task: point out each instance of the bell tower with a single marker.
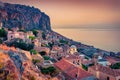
(95, 59)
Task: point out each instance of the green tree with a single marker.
(35, 32)
(84, 67)
(3, 33)
(46, 57)
(44, 71)
(115, 66)
(50, 70)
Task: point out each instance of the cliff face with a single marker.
(16, 64)
(14, 15)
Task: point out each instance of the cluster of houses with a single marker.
(25, 36)
(68, 60)
(70, 65)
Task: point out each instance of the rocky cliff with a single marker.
(15, 15)
(16, 64)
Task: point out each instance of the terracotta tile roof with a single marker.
(107, 70)
(75, 56)
(72, 70)
(112, 60)
(63, 65)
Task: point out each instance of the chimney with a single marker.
(95, 58)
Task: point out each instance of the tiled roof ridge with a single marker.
(73, 65)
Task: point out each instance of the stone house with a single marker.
(73, 72)
(104, 73)
(14, 34)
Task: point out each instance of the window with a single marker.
(11, 37)
(73, 62)
(108, 78)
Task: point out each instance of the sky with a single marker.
(67, 13)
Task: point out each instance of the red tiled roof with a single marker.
(71, 70)
(75, 56)
(63, 65)
(107, 70)
(112, 60)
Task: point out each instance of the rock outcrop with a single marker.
(25, 17)
(8, 70)
(17, 65)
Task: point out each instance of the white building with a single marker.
(73, 49)
(102, 61)
(13, 34)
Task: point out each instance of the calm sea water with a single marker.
(104, 39)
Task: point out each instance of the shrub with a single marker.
(32, 78)
(33, 51)
(51, 69)
(3, 33)
(21, 44)
(115, 66)
(43, 36)
(35, 32)
(63, 41)
(10, 77)
(46, 57)
(48, 70)
(1, 65)
(35, 61)
(31, 37)
(84, 67)
(21, 30)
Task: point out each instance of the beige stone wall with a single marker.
(90, 70)
(118, 78)
(39, 49)
(12, 35)
(104, 76)
(101, 75)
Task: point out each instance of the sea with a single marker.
(106, 39)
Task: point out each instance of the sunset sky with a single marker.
(65, 13)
